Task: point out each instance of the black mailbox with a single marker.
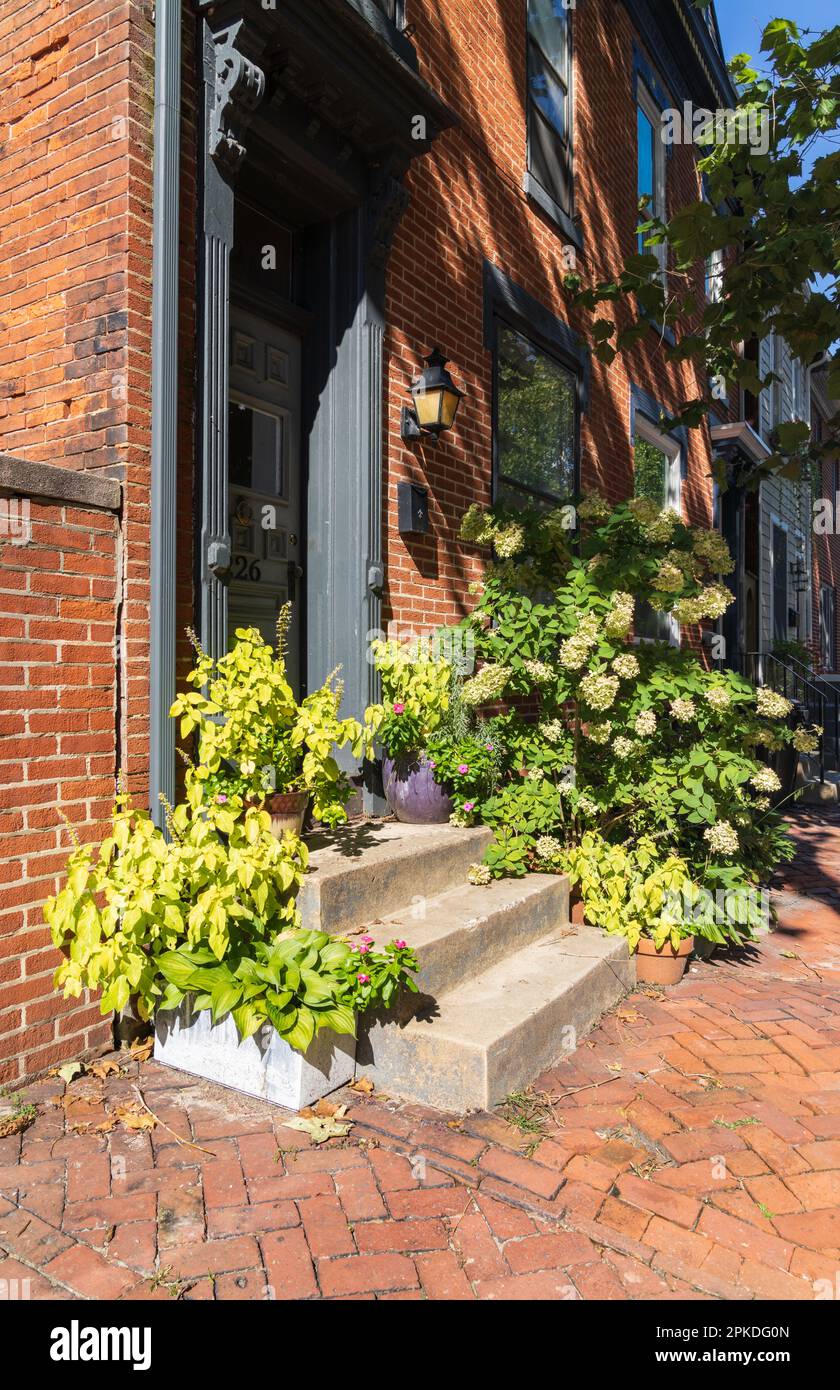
(412, 508)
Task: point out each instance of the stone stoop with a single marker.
(508, 985)
(812, 791)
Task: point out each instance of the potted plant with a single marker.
(257, 746)
(202, 929)
(415, 696)
(641, 893)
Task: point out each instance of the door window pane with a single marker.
(256, 450)
(535, 418)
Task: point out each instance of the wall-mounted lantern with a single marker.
(436, 400)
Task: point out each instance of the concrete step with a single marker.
(495, 1032)
(812, 791)
(464, 931)
(363, 872)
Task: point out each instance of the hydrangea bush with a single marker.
(604, 734)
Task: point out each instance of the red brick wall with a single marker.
(75, 296)
(467, 204)
(58, 654)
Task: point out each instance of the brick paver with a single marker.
(691, 1147)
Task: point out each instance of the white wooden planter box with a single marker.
(263, 1065)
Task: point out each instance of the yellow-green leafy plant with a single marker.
(416, 686)
(632, 890)
(220, 876)
(254, 737)
(209, 914)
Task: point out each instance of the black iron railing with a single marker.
(818, 700)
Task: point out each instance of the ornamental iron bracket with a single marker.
(238, 89)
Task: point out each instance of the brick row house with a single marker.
(204, 362)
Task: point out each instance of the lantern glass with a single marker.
(428, 403)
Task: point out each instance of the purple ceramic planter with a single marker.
(412, 792)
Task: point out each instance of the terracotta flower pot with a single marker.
(412, 793)
(577, 911)
(287, 810)
(665, 967)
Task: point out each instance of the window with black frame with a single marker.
(536, 421)
(549, 100)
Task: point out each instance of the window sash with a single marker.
(649, 115)
(663, 627)
(549, 108)
(504, 481)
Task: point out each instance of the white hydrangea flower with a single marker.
(762, 803)
(488, 684)
(594, 507)
(683, 710)
(574, 653)
(599, 691)
(661, 528)
(509, 540)
(712, 548)
(619, 619)
(722, 839)
(669, 579)
(805, 742)
(552, 730)
(479, 874)
(599, 733)
(718, 697)
(626, 665)
(623, 747)
(548, 847)
(645, 723)
(535, 774)
(766, 780)
(771, 704)
(586, 806)
(539, 671)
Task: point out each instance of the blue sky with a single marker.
(742, 21)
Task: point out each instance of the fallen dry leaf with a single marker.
(141, 1051)
(68, 1071)
(321, 1128)
(628, 1015)
(133, 1118)
(363, 1085)
(105, 1068)
(14, 1122)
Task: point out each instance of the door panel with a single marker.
(265, 480)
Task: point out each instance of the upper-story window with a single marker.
(651, 168)
(549, 100)
(536, 421)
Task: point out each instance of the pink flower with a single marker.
(399, 708)
(469, 806)
(432, 763)
(463, 767)
(489, 747)
(400, 945)
(221, 798)
(367, 939)
(363, 979)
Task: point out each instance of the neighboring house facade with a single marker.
(825, 618)
(201, 436)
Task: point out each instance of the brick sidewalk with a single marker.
(690, 1149)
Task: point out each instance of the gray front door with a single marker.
(265, 485)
